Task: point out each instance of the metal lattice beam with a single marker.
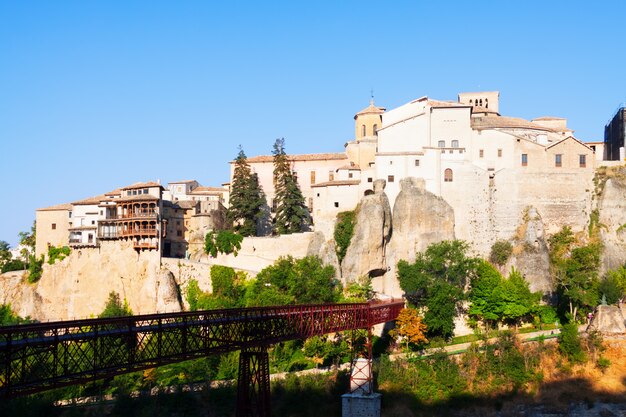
(41, 356)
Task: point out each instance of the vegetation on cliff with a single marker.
(344, 229)
(247, 200)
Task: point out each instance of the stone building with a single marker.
(615, 135)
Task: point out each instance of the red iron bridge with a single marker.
(42, 356)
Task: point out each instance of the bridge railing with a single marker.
(40, 356)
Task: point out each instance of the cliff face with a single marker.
(612, 221)
(79, 286)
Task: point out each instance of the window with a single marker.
(417, 162)
(455, 143)
(558, 158)
(69, 213)
(295, 176)
(524, 159)
(390, 178)
(582, 161)
(129, 192)
(312, 177)
(447, 175)
(331, 176)
(54, 226)
(100, 213)
(145, 191)
(336, 203)
(390, 162)
(499, 153)
(375, 130)
(441, 144)
(93, 222)
(370, 179)
(274, 205)
(481, 153)
(179, 233)
(350, 174)
(134, 192)
(310, 204)
(362, 130)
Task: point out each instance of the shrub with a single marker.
(115, 308)
(603, 363)
(223, 241)
(59, 253)
(344, 229)
(14, 265)
(35, 269)
(500, 252)
(570, 344)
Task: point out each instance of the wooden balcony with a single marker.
(144, 231)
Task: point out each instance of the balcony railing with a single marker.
(107, 235)
(145, 245)
(152, 231)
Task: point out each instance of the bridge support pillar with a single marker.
(253, 383)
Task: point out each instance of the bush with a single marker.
(547, 314)
(344, 229)
(35, 269)
(223, 241)
(603, 363)
(500, 252)
(14, 265)
(59, 253)
(115, 308)
(570, 344)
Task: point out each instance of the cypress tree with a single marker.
(292, 215)
(246, 198)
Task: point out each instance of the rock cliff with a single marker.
(612, 221)
(79, 286)
(366, 253)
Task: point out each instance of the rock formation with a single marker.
(612, 219)
(78, 286)
(366, 253)
(531, 255)
(325, 250)
(608, 319)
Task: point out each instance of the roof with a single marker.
(208, 190)
(441, 103)
(479, 109)
(336, 183)
(353, 167)
(115, 192)
(567, 138)
(90, 200)
(494, 122)
(140, 197)
(371, 109)
(182, 182)
(548, 118)
(142, 185)
(186, 204)
(58, 207)
(301, 157)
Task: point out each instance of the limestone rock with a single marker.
(325, 250)
(608, 319)
(366, 253)
(420, 218)
(612, 210)
(167, 297)
(531, 255)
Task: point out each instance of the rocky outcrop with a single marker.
(530, 255)
(419, 219)
(79, 286)
(366, 253)
(325, 250)
(608, 319)
(612, 219)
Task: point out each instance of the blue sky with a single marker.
(97, 95)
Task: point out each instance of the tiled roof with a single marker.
(141, 197)
(548, 118)
(208, 190)
(115, 192)
(301, 157)
(492, 122)
(354, 167)
(65, 206)
(142, 185)
(440, 103)
(478, 109)
(371, 109)
(183, 182)
(336, 183)
(91, 200)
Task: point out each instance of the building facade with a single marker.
(615, 135)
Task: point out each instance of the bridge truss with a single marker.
(42, 356)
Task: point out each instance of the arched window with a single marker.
(441, 144)
(486, 104)
(363, 130)
(455, 143)
(447, 175)
(481, 102)
(375, 130)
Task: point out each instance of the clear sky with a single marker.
(98, 95)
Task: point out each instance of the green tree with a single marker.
(292, 215)
(8, 316)
(35, 268)
(29, 239)
(115, 308)
(291, 281)
(5, 253)
(247, 199)
(484, 294)
(578, 283)
(436, 281)
(516, 300)
(614, 285)
(223, 241)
